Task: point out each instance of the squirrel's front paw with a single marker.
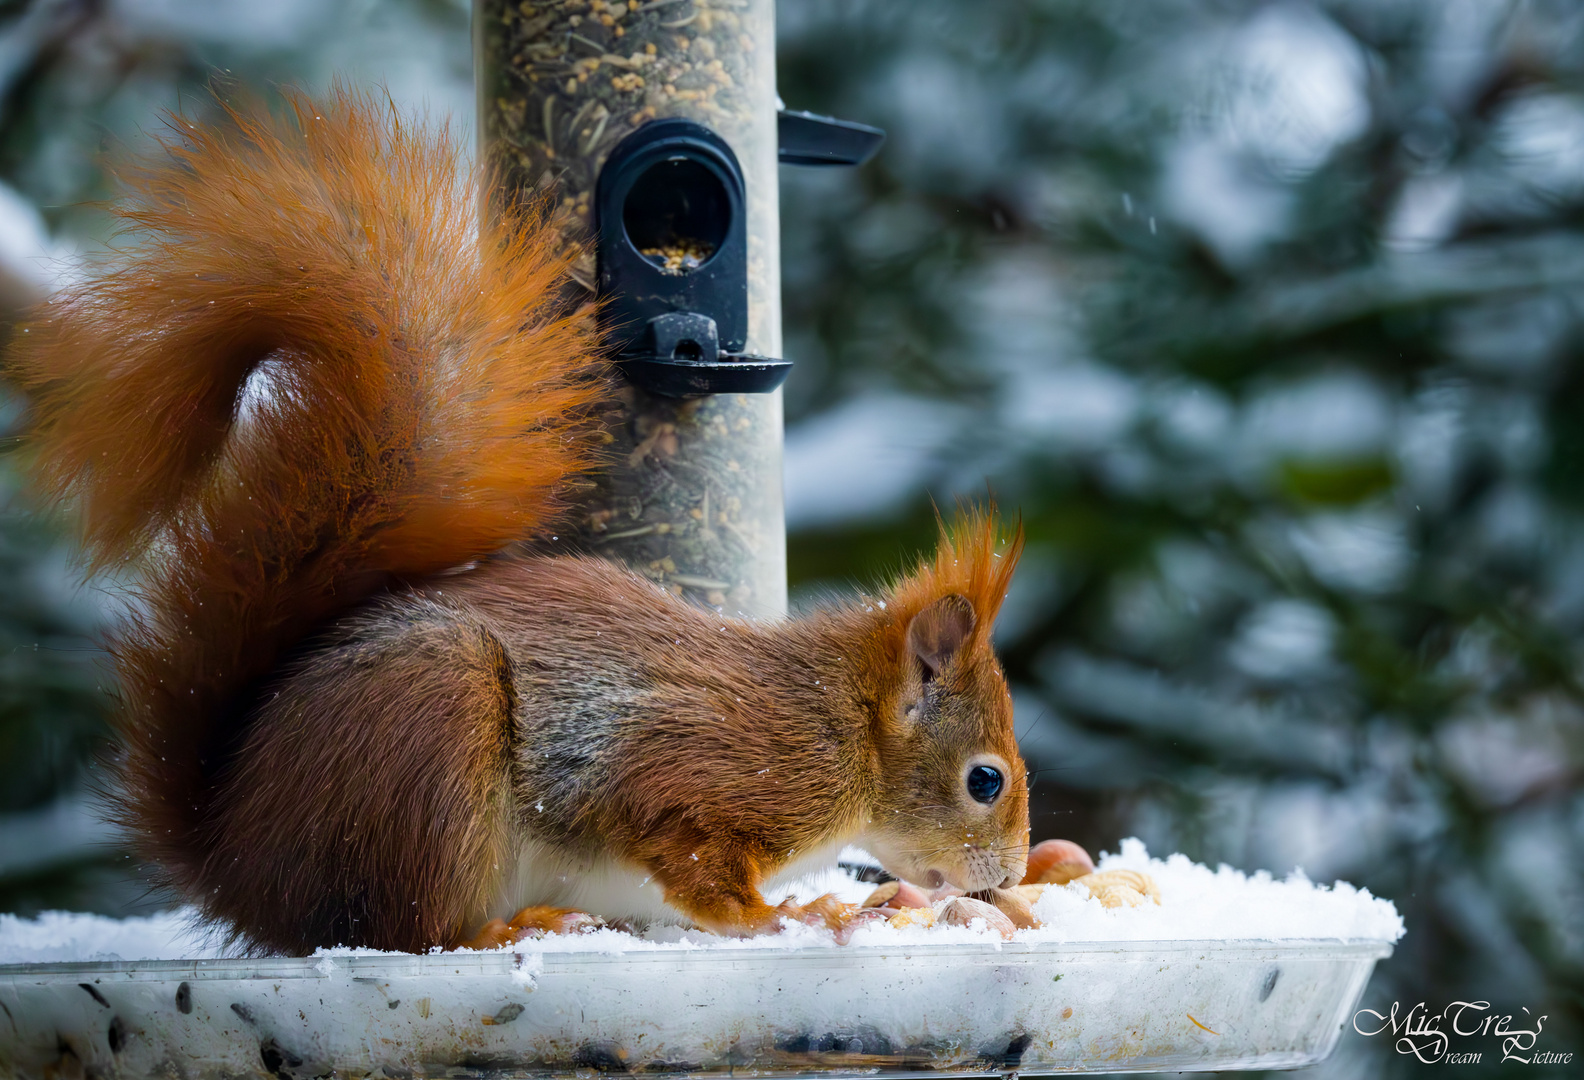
(533, 922)
(827, 911)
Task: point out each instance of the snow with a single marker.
(65, 936)
(1204, 904)
(1197, 904)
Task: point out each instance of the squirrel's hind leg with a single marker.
(368, 803)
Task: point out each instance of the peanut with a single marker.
(1115, 896)
(1131, 878)
(1030, 893)
(1120, 888)
(1016, 905)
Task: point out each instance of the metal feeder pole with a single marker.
(693, 496)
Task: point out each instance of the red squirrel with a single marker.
(316, 409)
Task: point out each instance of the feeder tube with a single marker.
(692, 495)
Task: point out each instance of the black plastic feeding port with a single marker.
(673, 263)
(673, 250)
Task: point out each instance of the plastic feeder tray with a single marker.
(936, 1010)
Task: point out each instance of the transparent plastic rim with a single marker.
(489, 963)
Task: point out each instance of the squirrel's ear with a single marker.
(937, 632)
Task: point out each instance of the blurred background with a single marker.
(1269, 317)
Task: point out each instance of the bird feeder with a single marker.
(652, 133)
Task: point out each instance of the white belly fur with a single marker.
(546, 876)
(821, 858)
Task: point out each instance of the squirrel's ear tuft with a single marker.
(971, 562)
(936, 633)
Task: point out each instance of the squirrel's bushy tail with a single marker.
(306, 376)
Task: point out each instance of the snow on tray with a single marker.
(1200, 903)
(1197, 904)
(66, 936)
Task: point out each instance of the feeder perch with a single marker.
(673, 263)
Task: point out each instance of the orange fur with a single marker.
(531, 922)
(307, 391)
(421, 408)
(970, 560)
(740, 745)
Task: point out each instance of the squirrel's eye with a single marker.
(984, 783)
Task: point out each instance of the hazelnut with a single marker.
(1056, 862)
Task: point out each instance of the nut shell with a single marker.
(1056, 862)
(1016, 905)
(963, 910)
(883, 894)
